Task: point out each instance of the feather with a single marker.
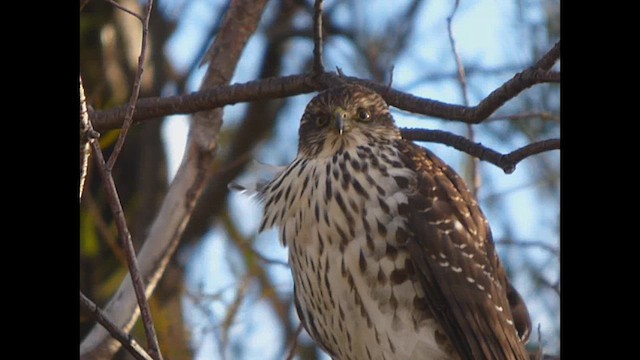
(258, 175)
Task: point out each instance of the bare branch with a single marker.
(532, 149)
(279, 87)
(462, 78)
(318, 65)
(122, 8)
(550, 58)
(128, 119)
(125, 339)
(239, 25)
(471, 169)
(507, 162)
(125, 240)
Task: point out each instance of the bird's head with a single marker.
(343, 117)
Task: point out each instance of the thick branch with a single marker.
(157, 107)
(125, 339)
(279, 87)
(507, 162)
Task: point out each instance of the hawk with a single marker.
(391, 256)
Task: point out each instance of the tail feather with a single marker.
(259, 175)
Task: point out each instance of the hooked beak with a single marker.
(340, 120)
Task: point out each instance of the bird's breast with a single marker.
(343, 219)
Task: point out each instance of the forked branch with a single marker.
(285, 86)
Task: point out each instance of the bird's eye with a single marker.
(322, 120)
(363, 115)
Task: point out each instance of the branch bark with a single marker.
(240, 23)
(507, 162)
(285, 86)
(131, 106)
(127, 245)
(125, 339)
(318, 64)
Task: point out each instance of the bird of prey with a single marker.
(391, 256)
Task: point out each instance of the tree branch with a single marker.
(318, 65)
(125, 241)
(547, 60)
(285, 86)
(239, 25)
(470, 173)
(128, 119)
(122, 8)
(125, 339)
(507, 162)
(462, 78)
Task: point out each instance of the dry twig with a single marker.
(131, 106)
(318, 65)
(125, 241)
(125, 339)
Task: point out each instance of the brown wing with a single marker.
(465, 284)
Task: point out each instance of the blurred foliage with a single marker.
(365, 40)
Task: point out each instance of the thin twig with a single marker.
(469, 70)
(286, 86)
(128, 119)
(318, 64)
(125, 339)
(462, 78)
(132, 261)
(232, 310)
(120, 7)
(294, 343)
(507, 162)
(471, 172)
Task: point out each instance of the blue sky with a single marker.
(487, 34)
